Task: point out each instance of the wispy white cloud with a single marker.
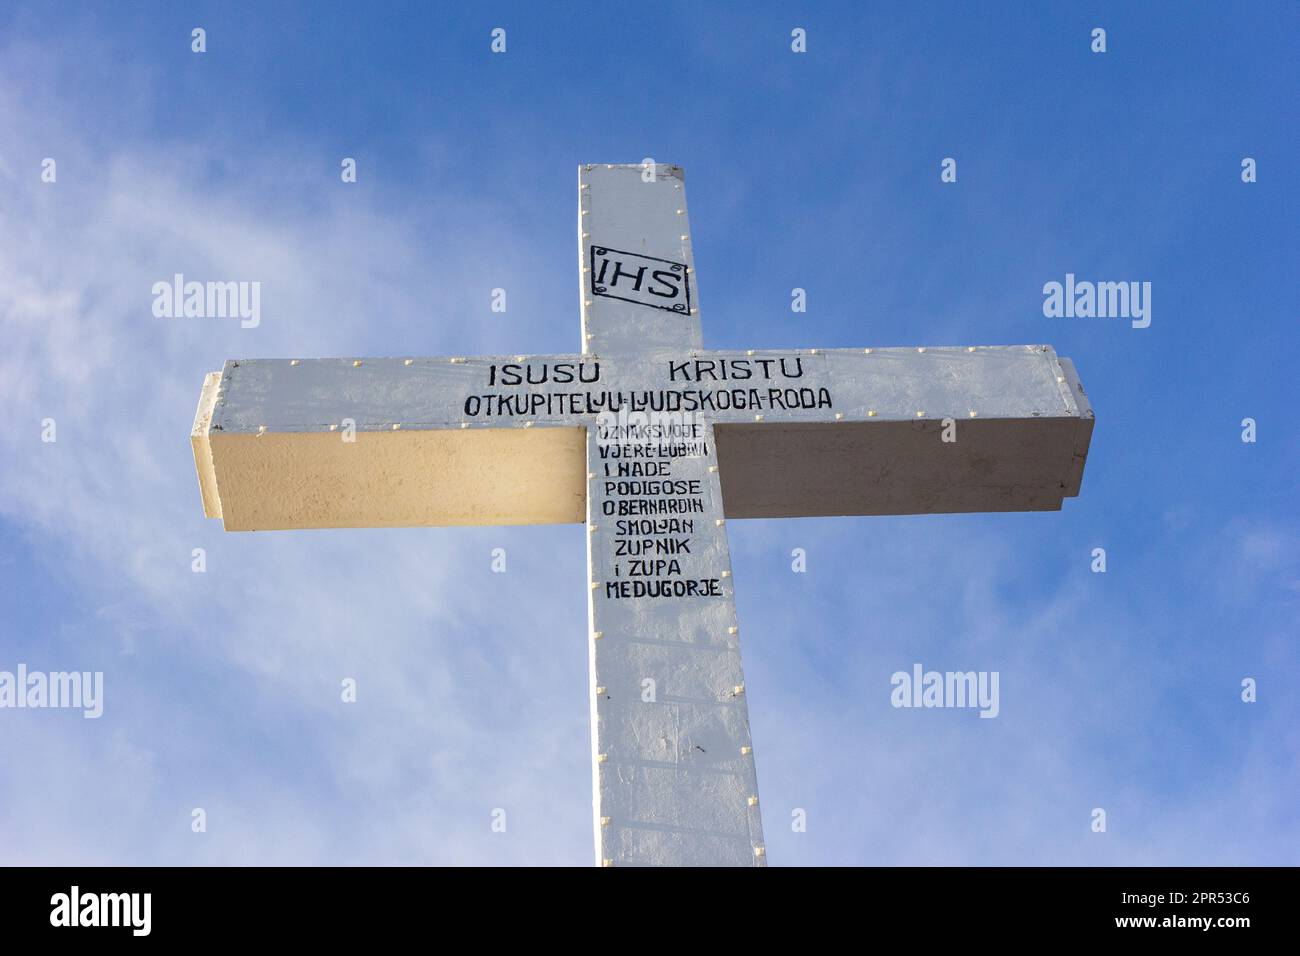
(223, 688)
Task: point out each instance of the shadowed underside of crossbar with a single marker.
(537, 475)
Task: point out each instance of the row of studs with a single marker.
(738, 690)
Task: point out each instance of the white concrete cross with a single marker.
(653, 442)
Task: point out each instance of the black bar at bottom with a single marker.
(210, 905)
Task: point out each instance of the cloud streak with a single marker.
(222, 689)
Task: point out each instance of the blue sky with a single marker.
(819, 170)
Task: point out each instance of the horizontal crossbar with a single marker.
(500, 440)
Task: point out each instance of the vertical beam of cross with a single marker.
(673, 768)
